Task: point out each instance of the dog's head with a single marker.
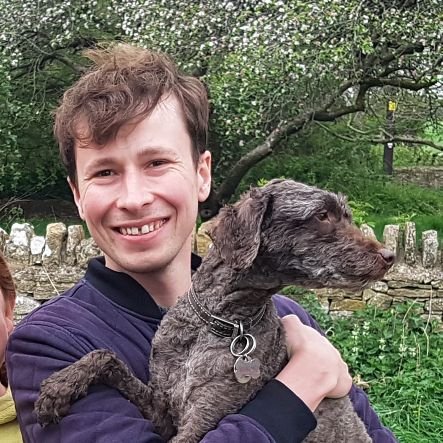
(302, 234)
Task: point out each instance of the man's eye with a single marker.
(157, 163)
(105, 173)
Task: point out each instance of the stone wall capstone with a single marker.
(44, 267)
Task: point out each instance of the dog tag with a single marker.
(246, 368)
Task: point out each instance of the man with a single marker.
(132, 134)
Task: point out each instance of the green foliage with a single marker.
(10, 215)
(268, 64)
(353, 170)
(413, 156)
(360, 213)
(391, 198)
(400, 355)
(10, 156)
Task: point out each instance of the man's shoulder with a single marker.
(81, 306)
(287, 306)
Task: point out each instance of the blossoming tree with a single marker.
(272, 67)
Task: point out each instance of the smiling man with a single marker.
(139, 195)
(133, 136)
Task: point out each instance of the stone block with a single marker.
(378, 299)
(430, 248)
(37, 246)
(347, 305)
(338, 294)
(391, 238)
(410, 243)
(367, 231)
(379, 286)
(411, 293)
(76, 234)
(87, 250)
(3, 239)
(55, 247)
(434, 305)
(203, 240)
(21, 234)
(17, 247)
(437, 319)
(23, 306)
(397, 284)
(324, 303)
(438, 284)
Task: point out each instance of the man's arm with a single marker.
(360, 401)
(34, 352)
(37, 350)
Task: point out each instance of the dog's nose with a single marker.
(388, 256)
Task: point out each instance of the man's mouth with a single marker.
(142, 230)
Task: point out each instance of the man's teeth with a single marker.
(143, 229)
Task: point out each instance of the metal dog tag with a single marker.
(246, 368)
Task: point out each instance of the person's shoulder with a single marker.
(9, 428)
(287, 306)
(66, 306)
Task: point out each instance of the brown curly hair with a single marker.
(125, 84)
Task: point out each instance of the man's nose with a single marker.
(134, 193)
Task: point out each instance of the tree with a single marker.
(272, 67)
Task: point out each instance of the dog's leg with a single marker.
(337, 421)
(59, 391)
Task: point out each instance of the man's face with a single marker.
(139, 194)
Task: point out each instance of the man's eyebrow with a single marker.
(146, 151)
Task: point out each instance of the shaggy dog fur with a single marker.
(283, 233)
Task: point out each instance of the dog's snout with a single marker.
(388, 256)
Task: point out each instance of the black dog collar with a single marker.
(220, 326)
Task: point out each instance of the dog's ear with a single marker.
(236, 231)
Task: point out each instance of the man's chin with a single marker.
(137, 266)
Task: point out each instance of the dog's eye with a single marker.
(322, 216)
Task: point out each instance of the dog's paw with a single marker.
(57, 393)
(51, 407)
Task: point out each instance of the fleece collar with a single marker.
(124, 290)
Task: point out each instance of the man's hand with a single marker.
(315, 369)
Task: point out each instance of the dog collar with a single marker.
(220, 326)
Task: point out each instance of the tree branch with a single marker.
(398, 83)
(229, 185)
(409, 141)
(388, 139)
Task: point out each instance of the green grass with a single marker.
(400, 356)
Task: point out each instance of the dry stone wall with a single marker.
(427, 176)
(45, 266)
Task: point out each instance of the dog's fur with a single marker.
(283, 233)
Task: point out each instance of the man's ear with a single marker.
(237, 229)
(77, 198)
(204, 176)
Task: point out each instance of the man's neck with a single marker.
(167, 284)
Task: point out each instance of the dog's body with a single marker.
(284, 233)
